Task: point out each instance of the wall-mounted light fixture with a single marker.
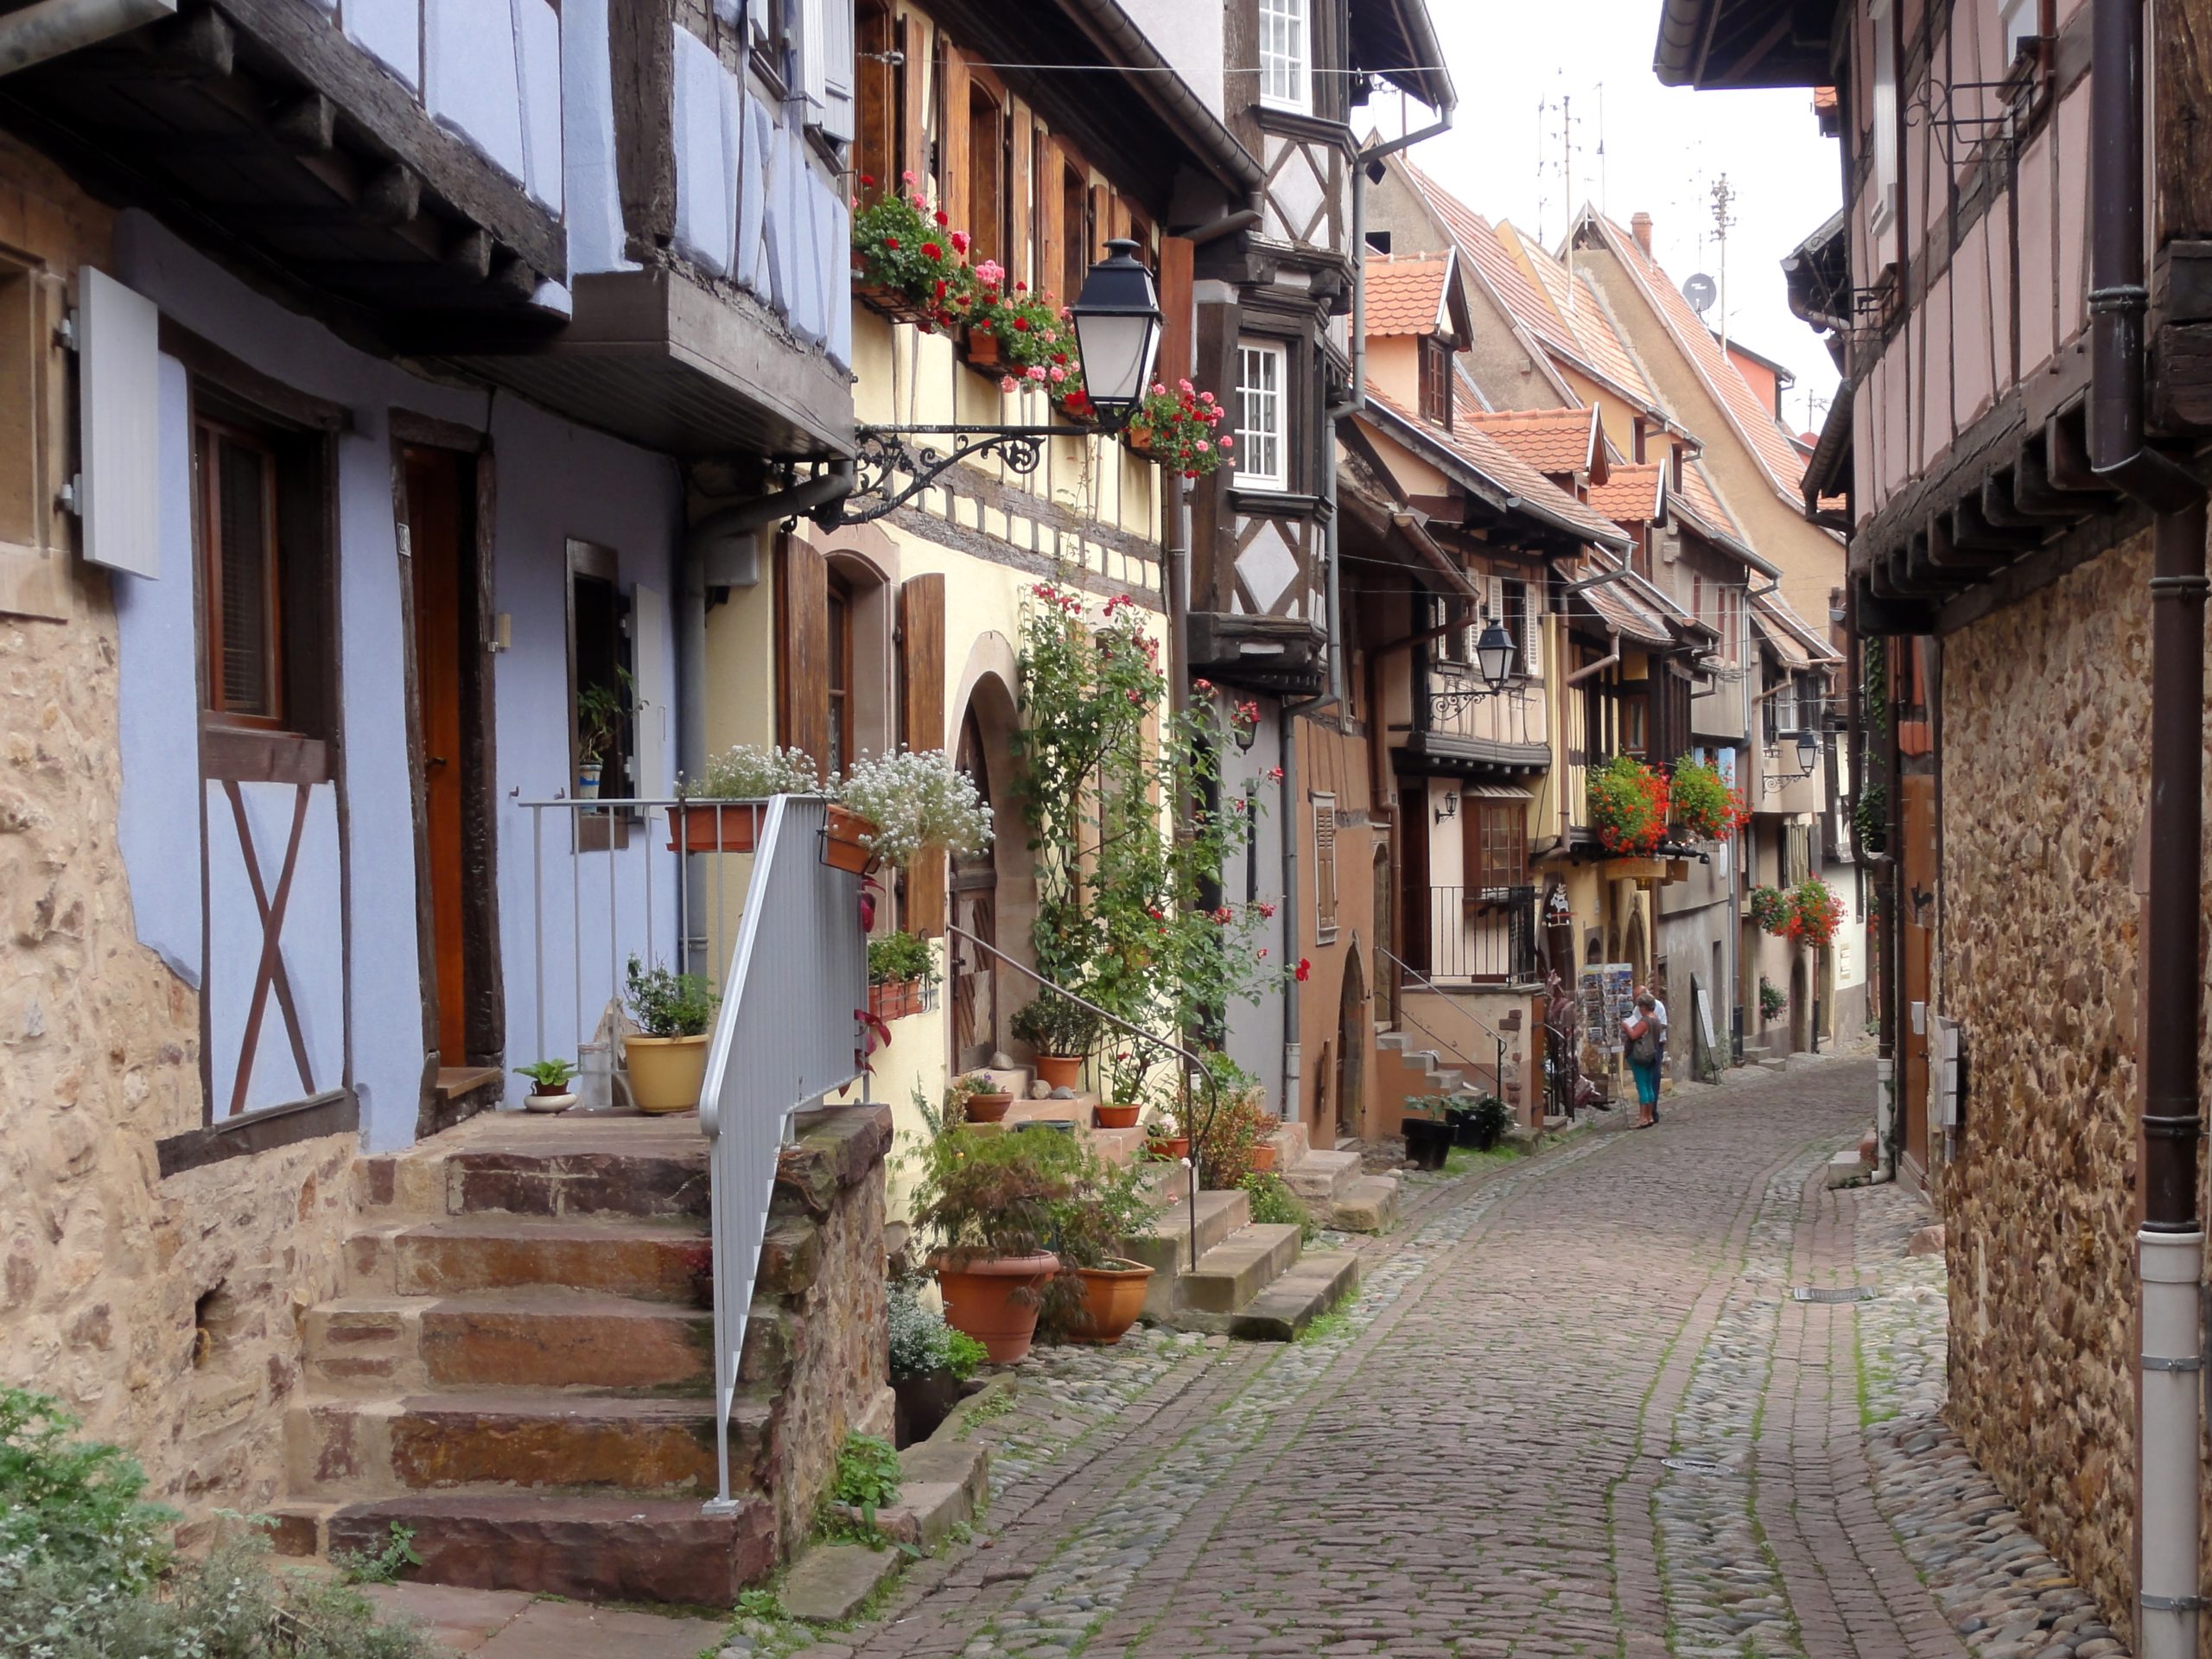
(1451, 807)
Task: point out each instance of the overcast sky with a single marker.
(1663, 148)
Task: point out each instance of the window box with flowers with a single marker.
(1815, 914)
(902, 971)
(1628, 807)
(1176, 427)
(902, 255)
(1701, 804)
(1769, 909)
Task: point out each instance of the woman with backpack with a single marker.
(1641, 1030)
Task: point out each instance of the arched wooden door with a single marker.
(1351, 1052)
(975, 887)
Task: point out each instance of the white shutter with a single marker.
(1532, 628)
(838, 70)
(118, 335)
(814, 57)
(649, 659)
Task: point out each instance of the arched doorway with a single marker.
(974, 912)
(1639, 953)
(1351, 1051)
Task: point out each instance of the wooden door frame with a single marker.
(484, 1009)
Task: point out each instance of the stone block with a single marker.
(1928, 1241)
(829, 1583)
(835, 1148)
(791, 1257)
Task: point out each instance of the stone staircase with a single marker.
(521, 1371)
(1232, 1276)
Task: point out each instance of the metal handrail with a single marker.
(1151, 1039)
(1497, 1073)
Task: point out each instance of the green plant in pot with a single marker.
(1101, 1292)
(1428, 1136)
(1168, 1116)
(1483, 1121)
(1061, 1032)
(550, 1091)
(667, 1057)
(976, 1098)
(600, 711)
(901, 969)
(930, 1362)
(987, 1205)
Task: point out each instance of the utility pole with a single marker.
(1723, 200)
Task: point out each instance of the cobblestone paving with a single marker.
(1574, 1411)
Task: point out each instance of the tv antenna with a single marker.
(1724, 218)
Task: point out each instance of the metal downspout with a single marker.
(2170, 1242)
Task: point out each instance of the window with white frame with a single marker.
(1883, 111)
(2022, 22)
(1285, 80)
(1263, 443)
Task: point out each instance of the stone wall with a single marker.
(162, 1311)
(817, 1344)
(2045, 740)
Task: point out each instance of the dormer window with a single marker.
(1285, 56)
(1436, 381)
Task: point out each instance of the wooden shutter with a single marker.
(921, 715)
(1052, 221)
(1021, 248)
(952, 139)
(1177, 330)
(910, 84)
(836, 115)
(1324, 867)
(803, 663)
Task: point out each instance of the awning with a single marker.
(1495, 792)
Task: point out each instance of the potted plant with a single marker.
(1106, 1204)
(976, 1098)
(930, 1364)
(986, 1204)
(1628, 807)
(1428, 1137)
(1701, 804)
(600, 710)
(1769, 909)
(1487, 1121)
(891, 808)
(901, 970)
(1061, 1031)
(1167, 1126)
(747, 773)
(667, 1061)
(1814, 913)
(1772, 997)
(1175, 426)
(550, 1091)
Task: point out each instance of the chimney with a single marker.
(1642, 225)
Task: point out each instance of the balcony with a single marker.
(1478, 936)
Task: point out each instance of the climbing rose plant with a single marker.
(1701, 804)
(1815, 912)
(1628, 804)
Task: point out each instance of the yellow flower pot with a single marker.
(665, 1073)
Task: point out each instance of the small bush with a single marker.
(1274, 1204)
(78, 1506)
(868, 1476)
(921, 1342)
(666, 1004)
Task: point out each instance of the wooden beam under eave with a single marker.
(1972, 532)
(2034, 493)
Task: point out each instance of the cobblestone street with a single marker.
(1575, 1410)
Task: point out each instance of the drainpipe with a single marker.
(2171, 1244)
(1287, 757)
(704, 542)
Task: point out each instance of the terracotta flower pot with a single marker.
(994, 1300)
(1140, 439)
(1059, 1071)
(665, 1073)
(989, 1109)
(981, 345)
(842, 848)
(895, 1000)
(1263, 1156)
(1112, 1299)
(1170, 1146)
(702, 829)
(1115, 1116)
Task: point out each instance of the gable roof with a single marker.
(1550, 440)
(1793, 638)
(1632, 494)
(1582, 311)
(1411, 295)
(1778, 455)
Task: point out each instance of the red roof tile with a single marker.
(1500, 465)
(1629, 495)
(1406, 296)
(1550, 440)
(1583, 312)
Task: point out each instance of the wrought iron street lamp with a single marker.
(1807, 746)
(1116, 324)
(1494, 660)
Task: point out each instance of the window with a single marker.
(261, 488)
(1324, 867)
(1451, 646)
(1636, 721)
(1285, 82)
(1077, 232)
(599, 657)
(1495, 849)
(1436, 381)
(1263, 444)
(1378, 241)
(1525, 625)
(1785, 705)
(986, 192)
(2022, 22)
(1883, 111)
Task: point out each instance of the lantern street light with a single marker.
(1807, 743)
(1494, 656)
(1808, 752)
(1116, 324)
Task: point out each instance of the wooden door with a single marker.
(974, 895)
(1386, 946)
(438, 493)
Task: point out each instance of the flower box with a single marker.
(897, 999)
(713, 830)
(981, 346)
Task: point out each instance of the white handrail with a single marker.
(785, 1036)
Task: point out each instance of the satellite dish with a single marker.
(1697, 289)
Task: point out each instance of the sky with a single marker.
(1662, 149)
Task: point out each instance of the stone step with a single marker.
(1366, 1204)
(337, 1449)
(515, 1164)
(1235, 1270)
(1321, 1177)
(597, 1548)
(531, 1337)
(942, 1487)
(1310, 1289)
(831, 1582)
(657, 1261)
(1166, 1248)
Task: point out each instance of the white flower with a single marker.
(748, 773)
(917, 801)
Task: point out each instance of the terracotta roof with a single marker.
(1583, 313)
(1780, 623)
(1787, 650)
(1619, 607)
(1407, 296)
(1632, 494)
(1771, 446)
(1550, 440)
(1823, 100)
(1511, 474)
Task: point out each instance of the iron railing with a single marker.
(1483, 935)
(1453, 1054)
(787, 1034)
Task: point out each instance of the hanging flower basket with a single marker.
(1814, 913)
(1701, 804)
(846, 839)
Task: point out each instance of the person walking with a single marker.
(1659, 1014)
(1640, 1031)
